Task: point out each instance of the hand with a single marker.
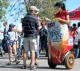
(1, 31)
(59, 19)
(16, 30)
(16, 39)
(46, 19)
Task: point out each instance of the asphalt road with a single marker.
(43, 65)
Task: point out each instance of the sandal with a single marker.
(24, 67)
(32, 67)
(9, 63)
(17, 62)
(14, 61)
(36, 64)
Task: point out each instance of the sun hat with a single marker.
(34, 8)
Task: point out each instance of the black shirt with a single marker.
(30, 25)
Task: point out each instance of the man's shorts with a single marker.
(30, 44)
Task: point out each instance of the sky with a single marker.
(70, 5)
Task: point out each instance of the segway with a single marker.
(60, 43)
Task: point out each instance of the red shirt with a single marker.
(74, 32)
(61, 15)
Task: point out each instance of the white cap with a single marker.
(34, 8)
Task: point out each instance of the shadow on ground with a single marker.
(52, 69)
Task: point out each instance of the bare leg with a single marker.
(35, 60)
(24, 58)
(9, 52)
(22, 52)
(32, 58)
(15, 53)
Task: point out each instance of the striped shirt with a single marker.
(30, 25)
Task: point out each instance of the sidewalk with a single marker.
(43, 65)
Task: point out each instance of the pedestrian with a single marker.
(19, 31)
(75, 38)
(78, 48)
(30, 28)
(60, 33)
(4, 41)
(74, 31)
(11, 43)
(43, 37)
(1, 54)
(38, 41)
(62, 15)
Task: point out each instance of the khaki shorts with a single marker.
(30, 44)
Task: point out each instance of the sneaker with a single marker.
(32, 67)
(24, 67)
(17, 62)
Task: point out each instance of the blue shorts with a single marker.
(11, 42)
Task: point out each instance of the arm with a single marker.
(65, 21)
(5, 30)
(18, 31)
(19, 28)
(37, 24)
(16, 36)
(2, 31)
(38, 29)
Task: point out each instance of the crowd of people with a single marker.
(34, 37)
(34, 34)
(76, 37)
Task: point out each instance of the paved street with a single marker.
(43, 66)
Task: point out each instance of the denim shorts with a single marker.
(11, 42)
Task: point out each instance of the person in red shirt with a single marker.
(62, 15)
(74, 30)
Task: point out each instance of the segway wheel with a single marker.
(51, 65)
(69, 61)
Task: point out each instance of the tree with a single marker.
(46, 8)
(3, 6)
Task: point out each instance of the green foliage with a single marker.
(3, 6)
(46, 7)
